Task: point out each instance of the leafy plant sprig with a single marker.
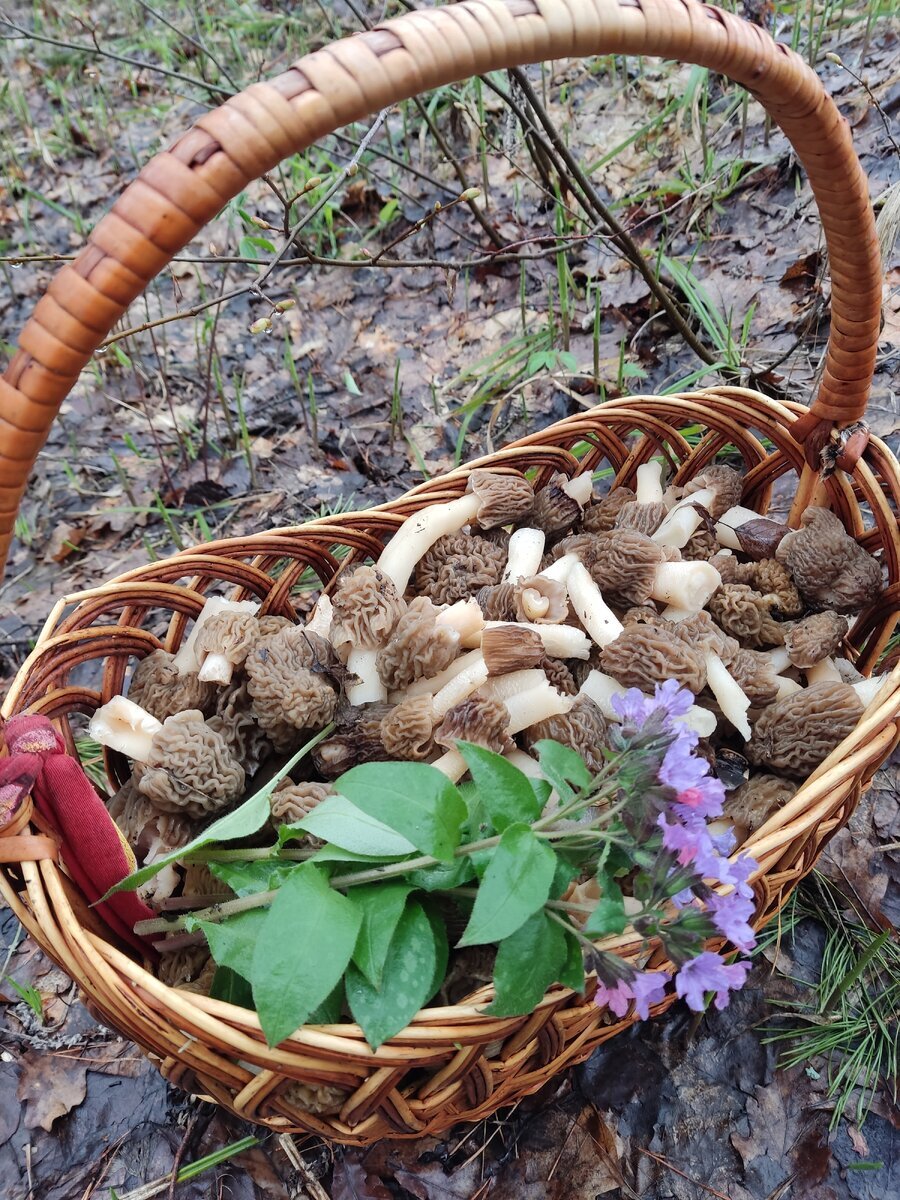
(360, 924)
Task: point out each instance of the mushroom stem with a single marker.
(730, 522)
(779, 658)
(537, 704)
(731, 697)
(601, 688)
(216, 668)
(418, 534)
(823, 672)
(465, 683)
(673, 613)
(649, 483)
(502, 687)
(452, 764)
(683, 520)
(187, 661)
(580, 488)
(560, 641)
(465, 618)
(560, 569)
(685, 584)
(362, 663)
(527, 765)
(321, 617)
(524, 554)
(593, 612)
(786, 687)
(431, 686)
(868, 689)
(124, 726)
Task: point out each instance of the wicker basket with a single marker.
(450, 1063)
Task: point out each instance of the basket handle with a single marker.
(182, 188)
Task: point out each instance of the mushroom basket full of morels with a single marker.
(409, 808)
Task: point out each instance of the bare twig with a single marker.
(295, 1158)
(195, 42)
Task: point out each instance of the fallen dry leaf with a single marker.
(51, 1086)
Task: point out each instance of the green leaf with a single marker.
(336, 855)
(329, 1011)
(351, 385)
(231, 987)
(258, 875)
(343, 823)
(515, 885)
(441, 949)
(243, 821)
(506, 792)
(528, 961)
(233, 941)
(302, 951)
(563, 767)
(442, 875)
(414, 799)
(381, 1013)
(609, 915)
(563, 875)
(572, 973)
(381, 905)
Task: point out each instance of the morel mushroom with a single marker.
(540, 601)
(582, 729)
(498, 603)
(508, 648)
(750, 532)
(643, 655)
(721, 488)
(420, 646)
(624, 564)
(291, 802)
(648, 509)
(457, 565)
(151, 833)
(814, 638)
(407, 730)
(601, 517)
(223, 642)
(184, 966)
(365, 610)
(289, 684)
(187, 660)
(235, 722)
(591, 609)
(559, 641)
(189, 768)
(796, 734)
(357, 740)
(524, 554)
(505, 499)
(560, 503)
(830, 569)
(159, 687)
(750, 805)
(704, 636)
(482, 721)
(746, 614)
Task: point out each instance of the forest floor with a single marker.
(231, 417)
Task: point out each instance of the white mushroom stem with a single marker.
(465, 683)
(560, 641)
(593, 612)
(673, 613)
(779, 659)
(683, 520)
(370, 690)
(685, 584)
(728, 524)
(502, 687)
(465, 618)
(321, 618)
(527, 765)
(524, 554)
(649, 483)
(786, 687)
(560, 569)
(124, 726)
(731, 697)
(431, 686)
(581, 488)
(537, 704)
(187, 660)
(868, 689)
(216, 668)
(418, 534)
(452, 764)
(823, 672)
(601, 688)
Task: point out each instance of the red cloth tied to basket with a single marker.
(91, 847)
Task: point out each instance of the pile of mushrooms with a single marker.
(502, 617)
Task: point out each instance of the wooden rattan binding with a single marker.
(451, 1063)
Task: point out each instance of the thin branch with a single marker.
(192, 41)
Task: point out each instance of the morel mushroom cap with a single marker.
(505, 499)
(797, 733)
(772, 579)
(701, 546)
(540, 600)
(746, 615)
(559, 675)
(407, 730)
(642, 518)
(177, 967)
(223, 642)
(702, 633)
(555, 509)
(751, 804)
(601, 517)
(419, 646)
(724, 482)
(643, 614)
(289, 684)
(755, 676)
(814, 638)
(150, 832)
(365, 609)
(190, 769)
(508, 648)
(643, 655)
(357, 740)
(582, 729)
(457, 565)
(271, 623)
(234, 720)
(482, 721)
(830, 569)
(498, 603)
(291, 802)
(159, 687)
(625, 565)
(187, 660)
(728, 566)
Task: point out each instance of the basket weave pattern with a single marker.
(451, 1063)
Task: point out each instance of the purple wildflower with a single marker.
(674, 699)
(703, 799)
(648, 988)
(617, 997)
(709, 973)
(730, 915)
(633, 706)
